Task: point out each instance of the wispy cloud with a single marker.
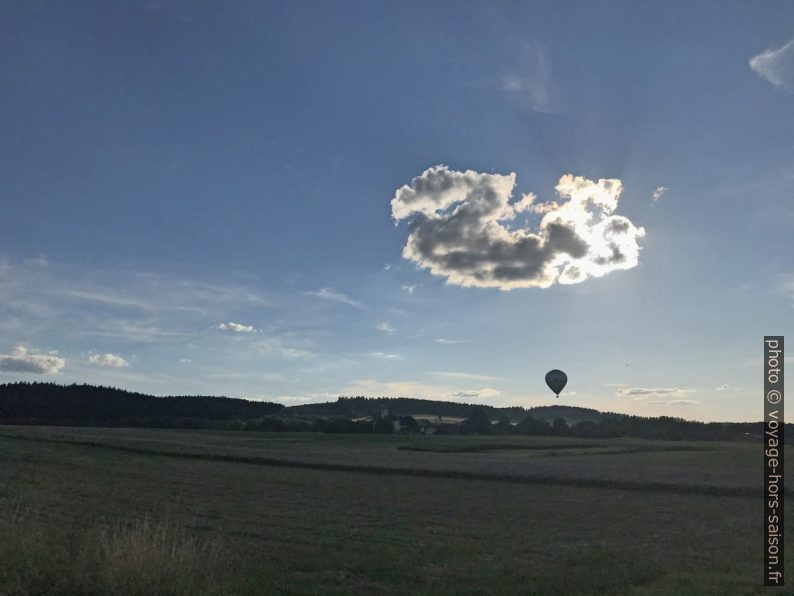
(409, 289)
(131, 306)
(674, 402)
(776, 66)
(445, 374)
(658, 193)
(723, 387)
(484, 392)
(385, 355)
(529, 83)
(278, 346)
(335, 296)
(642, 393)
(23, 360)
(385, 327)
(444, 340)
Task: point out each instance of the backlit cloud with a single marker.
(462, 227)
(31, 361)
(776, 66)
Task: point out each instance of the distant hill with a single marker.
(354, 407)
(89, 405)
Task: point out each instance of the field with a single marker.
(145, 511)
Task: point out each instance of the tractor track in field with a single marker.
(546, 479)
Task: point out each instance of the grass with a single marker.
(138, 556)
(175, 517)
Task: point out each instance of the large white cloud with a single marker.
(463, 227)
(776, 66)
(32, 361)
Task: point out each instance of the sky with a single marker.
(293, 201)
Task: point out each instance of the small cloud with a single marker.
(107, 360)
(658, 193)
(31, 361)
(185, 361)
(723, 387)
(387, 266)
(334, 296)
(444, 340)
(385, 327)
(641, 393)
(776, 66)
(674, 402)
(409, 289)
(482, 393)
(465, 394)
(236, 327)
(385, 356)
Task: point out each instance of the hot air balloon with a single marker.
(556, 380)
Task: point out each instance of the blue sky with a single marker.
(197, 198)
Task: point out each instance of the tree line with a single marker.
(90, 405)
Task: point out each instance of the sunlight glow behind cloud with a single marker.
(457, 230)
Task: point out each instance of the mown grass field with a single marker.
(145, 511)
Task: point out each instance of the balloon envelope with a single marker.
(556, 380)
